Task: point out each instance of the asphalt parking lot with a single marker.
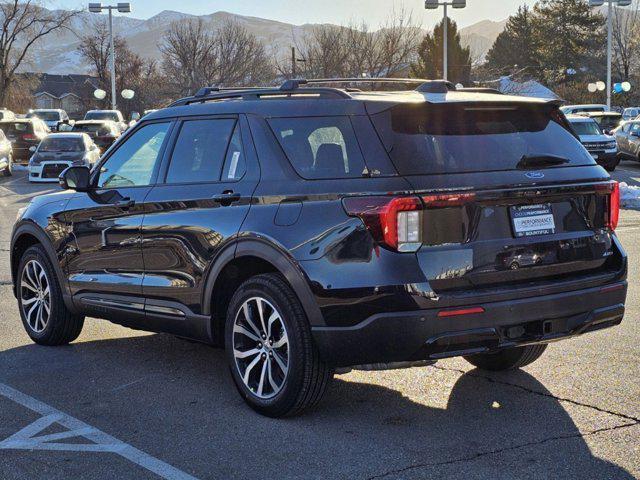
(124, 404)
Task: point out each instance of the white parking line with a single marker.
(28, 438)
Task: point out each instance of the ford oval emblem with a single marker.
(534, 175)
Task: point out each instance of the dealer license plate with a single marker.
(530, 220)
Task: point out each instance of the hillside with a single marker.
(59, 54)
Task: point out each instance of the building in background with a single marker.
(68, 92)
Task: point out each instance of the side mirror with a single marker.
(33, 149)
(75, 178)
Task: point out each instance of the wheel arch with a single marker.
(241, 261)
(25, 236)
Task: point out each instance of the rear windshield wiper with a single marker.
(541, 161)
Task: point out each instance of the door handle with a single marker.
(227, 197)
(125, 203)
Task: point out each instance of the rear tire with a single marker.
(267, 334)
(507, 359)
(44, 315)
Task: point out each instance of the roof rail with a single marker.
(481, 90)
(288, 89)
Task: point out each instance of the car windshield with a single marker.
(46, 116)
(586, 128)
(100, 115)
(468, 137)
(61, 144)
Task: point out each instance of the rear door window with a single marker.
(464, 138)
(320, 147)
(200, 151)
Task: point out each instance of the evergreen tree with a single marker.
(570, 35)
(429, 62)
(516, 45)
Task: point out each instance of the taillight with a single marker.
(394, 222)
(614, 206)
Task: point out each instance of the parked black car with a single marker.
(24, 133)
(310, 229)
(6, 156)
(102, 132)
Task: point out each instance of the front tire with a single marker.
(44, 315)
(273, 360)
(507, 359)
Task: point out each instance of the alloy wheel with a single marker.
(261, 347)
(35, 296)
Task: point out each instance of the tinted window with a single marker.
(435, 138)
(16, 128)
(45, 115)
(97, 128)
(132, 164)
(61, 144)
(234, 165)
(200, 151)
(320, 147)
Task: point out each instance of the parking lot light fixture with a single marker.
(432, 5)
(610, 3)
(122, 7)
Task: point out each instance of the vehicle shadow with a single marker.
(17, 189)
(176, 400)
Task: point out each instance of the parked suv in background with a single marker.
(53, 117)
(24, 133)
(110, 115)
(103, 132)
(628, 139)
(602, 147)
(311, 229)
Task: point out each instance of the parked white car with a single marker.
(593, 107)
(57, 152)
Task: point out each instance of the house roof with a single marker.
(59, 86)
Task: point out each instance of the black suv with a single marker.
(312, 229)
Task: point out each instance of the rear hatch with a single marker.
(504, 194)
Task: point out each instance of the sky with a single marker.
(319, 11)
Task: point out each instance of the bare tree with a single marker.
(24, 25)
(355, 50)
(132, 71)
(194, 54)
(626, 27)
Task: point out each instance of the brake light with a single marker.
(614, 206)
(395, 222)
(29, 137)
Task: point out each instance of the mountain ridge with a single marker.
(59, 53)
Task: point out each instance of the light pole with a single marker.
(432, 5)
(122, 8)
(599, 3)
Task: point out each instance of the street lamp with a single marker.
(124, 7)
(599, 3)
(433, 5)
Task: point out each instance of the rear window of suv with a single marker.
(465, 138)
(320, 147)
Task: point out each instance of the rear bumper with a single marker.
(420, 335)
